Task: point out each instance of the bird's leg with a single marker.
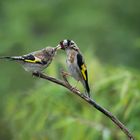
(36, 73)
(65, 75)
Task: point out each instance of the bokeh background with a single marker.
(108, 34)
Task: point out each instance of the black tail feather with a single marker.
(87, 88)
(18, 58)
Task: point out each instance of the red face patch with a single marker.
(62, 45)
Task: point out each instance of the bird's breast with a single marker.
(71, 57)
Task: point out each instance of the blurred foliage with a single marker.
(108, 34)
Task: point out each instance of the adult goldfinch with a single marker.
(35, 61)
(75, 62)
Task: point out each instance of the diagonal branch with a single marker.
(88, 100)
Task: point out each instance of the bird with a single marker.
(75, 63)
(36, 61)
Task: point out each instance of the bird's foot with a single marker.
(72, 88)
(66, 74)
(37, 73)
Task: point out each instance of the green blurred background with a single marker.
(108, 33)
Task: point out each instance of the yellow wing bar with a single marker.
(83, 71)
(33, 61)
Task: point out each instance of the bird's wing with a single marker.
(82, 66)
(83, 69)
(30, 58)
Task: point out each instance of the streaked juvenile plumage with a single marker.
(35, 61)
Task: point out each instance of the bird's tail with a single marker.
(87, 88)
(86, 85)
(16, 58)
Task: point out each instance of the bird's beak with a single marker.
(58, 47)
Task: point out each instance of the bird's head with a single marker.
(50, 51)
(67, 44)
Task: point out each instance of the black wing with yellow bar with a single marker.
(32, 59)
(83, 69)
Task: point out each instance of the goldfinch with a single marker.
(36, 61)
(75, 62)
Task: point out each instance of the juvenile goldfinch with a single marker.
(75, 62)
(35, 61)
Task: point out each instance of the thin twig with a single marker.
(88, 100)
